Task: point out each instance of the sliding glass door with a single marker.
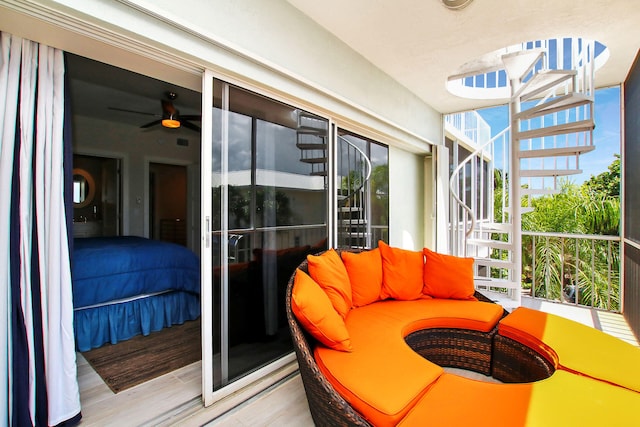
(268, 210)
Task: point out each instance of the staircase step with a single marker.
(540, 173)
(562, 129)
(348, 209)
(554, 105)
(314, 160)
(497, 263)
(542, 82)
(488, 243)
(353, 221)
(493, 227)
(319, 173)
(556, 152)
(310, 130)
(518, 64)
(311, 146)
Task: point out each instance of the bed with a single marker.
(126, 286)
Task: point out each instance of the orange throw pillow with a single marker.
(313, 309)
(448, 276)
(331, 274)
(365, 274)
(401, 273)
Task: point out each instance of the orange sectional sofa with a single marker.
(373, 331)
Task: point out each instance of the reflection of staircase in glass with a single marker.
(311, 137)
(551, 115)
(353, 172)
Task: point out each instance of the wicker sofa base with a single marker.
(455, 348)
(447, 347)
(514, 362)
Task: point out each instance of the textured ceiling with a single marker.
(420, 42)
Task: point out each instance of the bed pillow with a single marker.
(448, 276)
(401, 273)
(330, 273)
(314, 311)
(365, 274)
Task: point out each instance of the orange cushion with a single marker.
(458, 401)
(382, 378)
(330, 273)
(447, 276)
(365, 274)
(401, 273)
(313, 309)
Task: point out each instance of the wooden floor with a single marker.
(174, 399)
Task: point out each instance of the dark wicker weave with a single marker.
(327, 407)
(514, 362)
(455, 348)
(449, 347)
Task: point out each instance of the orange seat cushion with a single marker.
(383, 377)
(576, 347)
(458, 401)
(329, 272)
(401, 273)
(365, 274)
(312, 308)
(447, 276)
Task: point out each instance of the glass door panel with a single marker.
(269, 210)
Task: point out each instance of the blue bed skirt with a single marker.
(118, 322)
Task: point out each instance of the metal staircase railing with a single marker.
(353, 172)
(551, 115)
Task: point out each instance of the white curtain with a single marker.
(39, 369)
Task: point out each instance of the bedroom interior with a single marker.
(146, 183)
(131, 181)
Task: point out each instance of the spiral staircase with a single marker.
(551, 125)
(353, 170)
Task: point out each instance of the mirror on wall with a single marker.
(84, 188)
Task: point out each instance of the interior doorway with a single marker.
(168, 203)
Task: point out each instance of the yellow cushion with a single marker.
(313, 309)
(365, 274)
(579, 348)
(447, 276)
(330, 273)
(401, 273)
(458, 401)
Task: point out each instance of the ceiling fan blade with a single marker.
(133, 111)
(189, 125)
(153, 123)
(196, 117)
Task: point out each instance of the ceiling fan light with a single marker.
(171, 123)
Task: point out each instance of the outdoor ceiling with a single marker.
(420, 43)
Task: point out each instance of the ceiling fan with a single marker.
(170, 117)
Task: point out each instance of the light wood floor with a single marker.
(174, 399)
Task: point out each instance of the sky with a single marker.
(606, 136)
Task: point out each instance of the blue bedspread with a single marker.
(110, 268)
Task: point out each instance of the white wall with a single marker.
(406, 199)
(265, 45)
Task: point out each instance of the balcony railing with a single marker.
(576, 269)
